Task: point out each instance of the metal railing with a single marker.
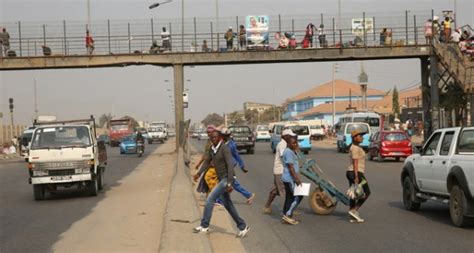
(125, 37)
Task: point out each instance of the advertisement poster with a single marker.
(358, 27)
(257, 27)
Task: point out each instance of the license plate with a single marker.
(397, 153)
(130, 148)
(61, 178)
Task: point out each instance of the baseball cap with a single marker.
(288, 132)
(357, 132)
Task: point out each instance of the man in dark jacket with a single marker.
(221, 157)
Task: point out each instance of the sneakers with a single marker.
(201, 229)
(267, 210)
(356, 221)
(243, 233)
(250, 199)
(355, 214)
(289, 220)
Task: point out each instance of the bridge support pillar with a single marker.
(434, 80)
(426, 97)
(178, 103)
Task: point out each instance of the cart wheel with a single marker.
(321, 203)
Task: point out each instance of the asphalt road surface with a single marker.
(388, 226)
(34, 226)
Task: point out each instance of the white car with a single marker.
(317, 132)
(443, 171)
(262, 133)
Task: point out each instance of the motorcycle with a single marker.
(140, 148)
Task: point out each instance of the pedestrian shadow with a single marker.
(430, 210)
(220, 230)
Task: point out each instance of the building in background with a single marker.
(260, 107)
(317, 102)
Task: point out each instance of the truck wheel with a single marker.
(321, 203)
(379, 157)
(162, 141)
(409, 195)
(39, 191)
(93, 187)
(150, 141)
(458, 206)
(306, 152)
(100, 178)
(251, 151)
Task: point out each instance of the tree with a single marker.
(104, 119)
(251, 116)
(395, 103)
(236, 118)
(213, 119)
(454, 99)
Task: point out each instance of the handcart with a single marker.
(324, 198)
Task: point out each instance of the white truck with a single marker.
(157, 132)
(443, 171)
(63, 154)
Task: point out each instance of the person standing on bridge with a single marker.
(165, 38)
(447, 29)
(89, 43)
(310, 33)
(242, 37)
(229, 38)
(356, 174)
(428, 31)
(4, 41)
(278, 188)
(221, 157)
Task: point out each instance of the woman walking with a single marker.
(356, 174)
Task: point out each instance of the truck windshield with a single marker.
(262, 128)
(242, 129)
(118, 127)
(155, 129)
(61, 137)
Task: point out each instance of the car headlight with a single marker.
(40, 173)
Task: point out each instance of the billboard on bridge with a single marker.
(257, 30)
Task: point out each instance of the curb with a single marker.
(181, 214)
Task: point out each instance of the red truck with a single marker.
(119, 128)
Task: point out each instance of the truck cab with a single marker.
(64, 154)
(443, 171)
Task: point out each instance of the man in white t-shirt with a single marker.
(278, 187)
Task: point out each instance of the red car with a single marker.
(386, 144)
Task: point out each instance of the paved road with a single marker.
(388, 227)
(34, 226)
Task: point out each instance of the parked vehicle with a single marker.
(262, 133)
(118, 129)
(244, 138)
(156, 134)
(393, 144)
(105, 138)
(443, 171)
(344, 139)
(128, 145)
(66, 154)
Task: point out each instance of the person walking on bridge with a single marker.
(165, 38)
(221, 157)
(89, 43)
(229, 38)
(278, 188)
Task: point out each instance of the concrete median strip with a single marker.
(129, 218)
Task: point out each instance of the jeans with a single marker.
(291, 201)
(219, 191)
(240, 189)
(351, 178)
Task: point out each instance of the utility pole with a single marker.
(217, 23)
(10, 101)
(334, 69)
(363, 80)
(338, 14)
(88, 14)
(182, 25)
(35, 100)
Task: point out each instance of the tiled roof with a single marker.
(342, 88)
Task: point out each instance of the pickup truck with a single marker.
(244, 138)
(156, 134)
(63, 154)
(443, 171)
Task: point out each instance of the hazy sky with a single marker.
(142, 91)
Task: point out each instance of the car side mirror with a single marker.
(418, 149)
(270, 131)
